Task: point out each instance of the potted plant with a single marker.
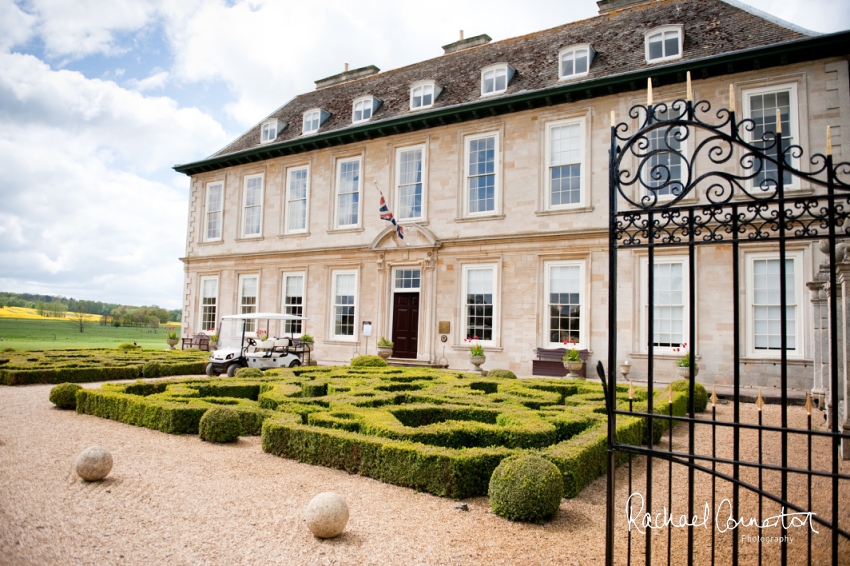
(262, 340)
(385, 348)
(307, 341)
(171, 339)
(572, 361)
(683, 364)
(476, 354)
(213, 339)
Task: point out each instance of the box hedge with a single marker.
(438, 431)
(98, 364)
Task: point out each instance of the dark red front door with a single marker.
(405, 324)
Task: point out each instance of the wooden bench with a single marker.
(199, 341)
(549, 362)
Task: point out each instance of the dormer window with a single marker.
(664, 44)
(423, 94)
(364, 108)
(575, 61)
(270, 130)
(495, 79)
(313, 120)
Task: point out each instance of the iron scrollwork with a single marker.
(738, 197)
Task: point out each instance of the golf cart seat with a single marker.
(282, 344)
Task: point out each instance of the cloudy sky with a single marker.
(99, 98)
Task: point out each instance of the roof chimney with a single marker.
(462, 43)
(347, 76)
(606, 6)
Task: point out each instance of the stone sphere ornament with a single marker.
(94, 463)
(326, 515)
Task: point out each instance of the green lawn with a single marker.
(30, 334)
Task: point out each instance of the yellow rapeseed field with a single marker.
(20, 312)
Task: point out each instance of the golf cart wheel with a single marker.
(232, 369)
(295, 364)
(210, 371)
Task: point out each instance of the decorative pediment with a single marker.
(415, 237)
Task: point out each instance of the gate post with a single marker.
(820, 317)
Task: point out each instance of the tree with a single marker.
(80, 320)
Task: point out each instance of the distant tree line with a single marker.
(110, 313)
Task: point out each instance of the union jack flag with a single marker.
(388, 216)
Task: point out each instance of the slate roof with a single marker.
(712, 27)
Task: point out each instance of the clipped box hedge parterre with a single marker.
(438, 431)
(96, 364)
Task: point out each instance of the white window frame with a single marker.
(435, 91)
(574, 50)
(644, 306)
(287, 229)
(582, 123)
(793, 120)
(402, 268)
(208, 212)
(337, 194)
(201, 306)
(245, 207)
(397, 193)
(684, 151)
(798, 256)
(266, 127)
(583, 303)
(284, 277)
(503, 67)
(318, 119)
(249, 324)
(333, 305)
(366, 102)
(663, 30)
(464, 317)
(497, 171)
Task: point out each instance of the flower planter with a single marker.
(213, 345)
(171, 342)
(385, 351)
(685, 372)
(573, 368)
(477, 361)
(307, 346)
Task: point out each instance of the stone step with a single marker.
(411, 363)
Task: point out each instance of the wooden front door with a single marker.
(405, 325)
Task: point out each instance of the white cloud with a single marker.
(119, 72)
(84, 27)
(15, 25)
(156, 81)
(79, 215)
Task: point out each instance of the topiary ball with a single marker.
(64, 395)
(126, 346)
(249, 372)
(368, 362)
(220, 424)
(526, 487)
(700, 394)
(505, 373)
(152, 369)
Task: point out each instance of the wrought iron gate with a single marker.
(737, 198)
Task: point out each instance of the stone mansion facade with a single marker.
(494, 159)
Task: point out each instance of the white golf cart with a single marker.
(240, 348)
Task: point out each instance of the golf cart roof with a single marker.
(263, 315)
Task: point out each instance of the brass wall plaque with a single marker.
(445, 327)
